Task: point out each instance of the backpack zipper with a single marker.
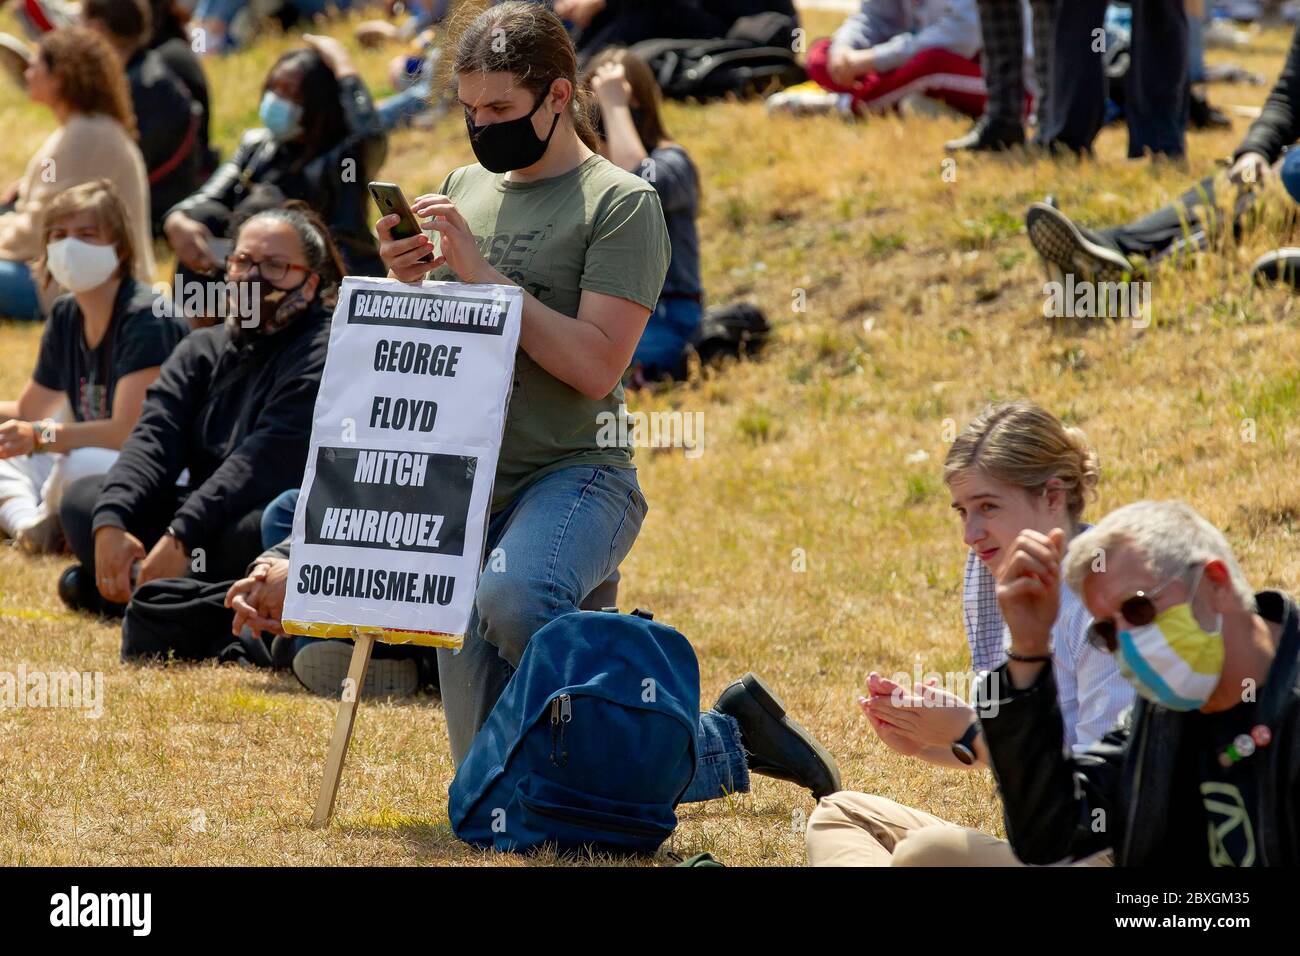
(561, 714)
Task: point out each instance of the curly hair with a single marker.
(89, 75)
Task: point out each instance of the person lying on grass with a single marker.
(1199, 219)
(1015, 467)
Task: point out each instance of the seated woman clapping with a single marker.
(1015, 467)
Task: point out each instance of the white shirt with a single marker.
(1090, 691)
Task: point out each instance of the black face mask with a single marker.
(513, 144)
(276, 308)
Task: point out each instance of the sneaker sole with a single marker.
(322, 668)
(768, 700)
(1059, 241)
(1278, 265)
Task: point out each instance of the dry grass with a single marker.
(924, 303)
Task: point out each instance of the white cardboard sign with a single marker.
(392, 518)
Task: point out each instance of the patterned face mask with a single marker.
(276, 308)
(1173, 661)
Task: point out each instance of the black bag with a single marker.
(187, 619)
(731, 330)
(755, 57)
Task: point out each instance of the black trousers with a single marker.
(1002, 59)
(1157, 90)
(1193, 221)
(225, 558)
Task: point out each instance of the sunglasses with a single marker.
(1139, 610)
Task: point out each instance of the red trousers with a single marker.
(937, 73)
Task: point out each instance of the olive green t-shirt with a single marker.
(596, 227)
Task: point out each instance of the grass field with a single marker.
(923, 302)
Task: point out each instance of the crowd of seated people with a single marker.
(164, 451)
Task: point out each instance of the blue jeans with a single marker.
(662, 349)
(553, 540)
(18, 298)
(1290, 173)
(402, 107)
(277, 518)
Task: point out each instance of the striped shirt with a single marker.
(1090, 690)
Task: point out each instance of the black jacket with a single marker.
(1119, 793)
(238, 419)
(1278, 124)
(333, 182)
(174, 49)
(172, 132)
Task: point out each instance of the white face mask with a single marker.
(80, 266)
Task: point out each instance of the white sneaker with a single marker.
(802, 101)
(322, 666)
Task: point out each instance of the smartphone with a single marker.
(390, 199)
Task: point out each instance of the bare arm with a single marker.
(589, 354)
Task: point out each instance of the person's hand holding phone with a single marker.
(459, 249)
(408, 259)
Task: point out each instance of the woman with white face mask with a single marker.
(102, 348)
(77, 76)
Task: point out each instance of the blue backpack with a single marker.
(591, 744)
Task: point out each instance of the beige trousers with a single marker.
(858, 829)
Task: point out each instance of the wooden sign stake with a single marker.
(363, 644)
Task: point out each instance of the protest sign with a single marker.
(389, 530)
(392, 517)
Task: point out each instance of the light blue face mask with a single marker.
(282, 117)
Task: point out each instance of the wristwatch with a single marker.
(964, 749)
(39, 430)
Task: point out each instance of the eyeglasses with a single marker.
(271, 269)
(1139, 610)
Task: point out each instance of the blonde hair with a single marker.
(100, 197)
(1025, 445)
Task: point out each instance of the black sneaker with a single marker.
(774, 744)
(78, 591)
(988, 137)
(1061, 243)
(322, 666)
(1278, 265)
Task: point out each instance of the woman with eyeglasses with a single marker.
(1015, 467)
(232, 407)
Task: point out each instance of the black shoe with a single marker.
(1063, 244)
(988, 137)
(78, 591)
(775, 745)
(1279, 265)
(1201, 115)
